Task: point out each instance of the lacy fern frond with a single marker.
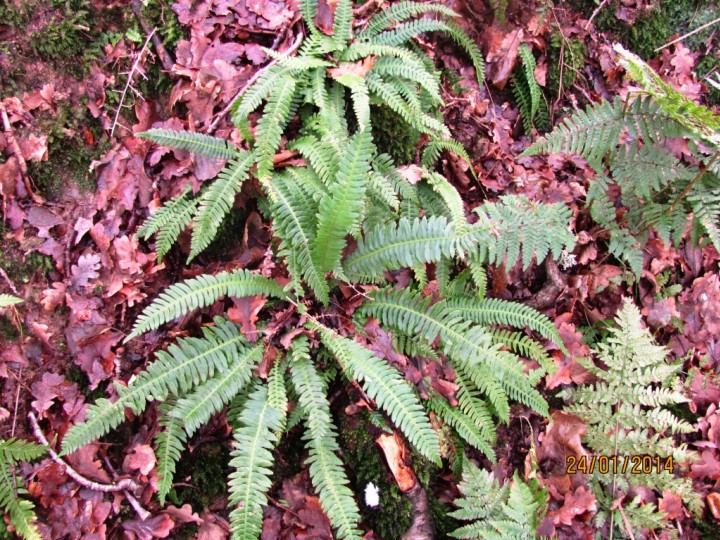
(200, 292)
(523, 227)
(20, 511)
(252, 460)
(385, 385)
(217, 200)
(197, 143)
(513, 511)
(623, 409)
(186, 364)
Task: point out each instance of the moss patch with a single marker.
(572, 53)
(393, 135)
(394, 514)
(206, 470)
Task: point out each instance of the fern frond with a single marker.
(7, 300)
(498, 311)
(396, 67)
(464, 41)
(404, 32)
(385, 385)
(464, 426)
(294, 222)
(186, 364)
(450, 196)
(197, 143)
(216, 202)
(276, 114)
(432, 150)
(406, 244)
(171, 442)
(512, 512)
(22, 517)
(342, 22)
(169, 221)
(340, 208)
(331, 484)
(200, 292)
(252, 460)
(207, 399)
(399, 12)
(523, 226)
(311, 389)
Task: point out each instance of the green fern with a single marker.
(216, 202)
(512, 511)
(523, 227)
(168, 222)
(20, 511)
(197, 143)
(188, 363)
(533, 109)
(200, 292)
(384, 384)
(625, 415)
(170, 444)
(252, 460)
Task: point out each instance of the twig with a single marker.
(294, 47)
(12, 141)
(139, 510)
(165, 57)
(698, 29)
(594, 13)
(17, 402)
(122, 485)
(130, 76)
(617, 505)
(9, 282)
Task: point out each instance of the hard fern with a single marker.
(625, 415)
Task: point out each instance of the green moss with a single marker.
(20, 269)
(206, 470)
(393, 135)
(76, 375)
(8, 330)
(573, 60)
(69, 156)
(229, 236)
(363, 457)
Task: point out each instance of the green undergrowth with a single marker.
(572, 53)
(206, 468)
(398, 138)
(657, 26)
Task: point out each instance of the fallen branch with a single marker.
(12, 141)
(122, 485)
(293, 48)
(130, 76)
(164, 56)
(139, 510)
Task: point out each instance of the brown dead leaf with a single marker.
(672, 506)
(713, 502)
(245, 312)
(396, 455)
(503, 56)
(141, 458)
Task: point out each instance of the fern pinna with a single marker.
(346, 216)
(625, 143)
(20, 511)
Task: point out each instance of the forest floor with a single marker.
(77, 184)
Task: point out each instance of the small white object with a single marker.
(372, 495)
